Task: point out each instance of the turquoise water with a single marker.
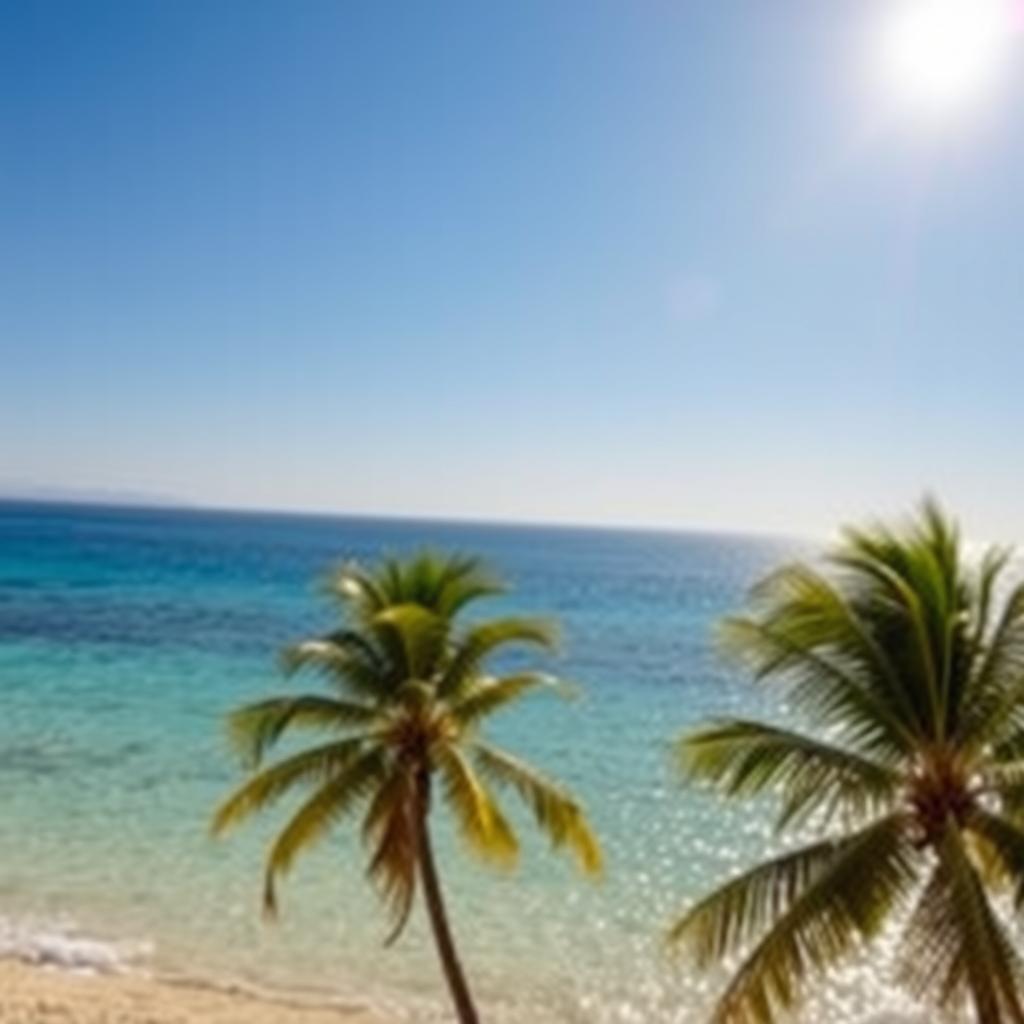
(125, 636)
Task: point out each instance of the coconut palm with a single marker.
(408, 694)
(907, 662)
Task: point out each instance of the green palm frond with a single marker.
(738, 912)
(359, 591)
(824, 677)
(415, 635)
(821, 910)
(1005, 840)
(480, 819)
(745, 758)
(448, 583)
(255, 728)
(347, 658)
(482, 640)
(444, 584)
(902, 593)
(329, 804)
(955, 948)
(996, 693)
(901, 614)
(309, 768)
(556, 813)
(994, 563)
(816, 613)
(486, 695)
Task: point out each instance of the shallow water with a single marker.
(125, 636)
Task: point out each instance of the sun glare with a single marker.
(942, 54)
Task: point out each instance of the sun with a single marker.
(945, 54)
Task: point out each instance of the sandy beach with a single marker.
(40, 995)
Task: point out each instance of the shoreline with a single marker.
(39, 993)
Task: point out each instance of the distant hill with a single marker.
(15, 491)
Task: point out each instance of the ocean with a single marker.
(127, 634)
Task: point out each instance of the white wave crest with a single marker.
(60, 945)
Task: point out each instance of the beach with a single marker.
(33, 994)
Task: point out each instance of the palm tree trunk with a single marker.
(457, 984)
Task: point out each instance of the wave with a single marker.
(60, 944)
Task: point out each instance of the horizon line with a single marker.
(141, 503)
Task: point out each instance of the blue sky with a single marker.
(678, 263)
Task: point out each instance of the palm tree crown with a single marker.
(910, 664)
(408, 693)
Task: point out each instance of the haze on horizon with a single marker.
(672, 264)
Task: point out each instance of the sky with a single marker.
(636, 262)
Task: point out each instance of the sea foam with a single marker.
(60, 945)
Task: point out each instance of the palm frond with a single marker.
(311, 767)
(1005, 839)
(744, 758)
(255, 728)
(821, 904)
(822, 677)
(738, 912)
(955, 949)
(816, 613)
(1004, 779)
(358, 590)
(390, 828)
(901, 616)
(455, 581)
(486, 695)
(994, 563)
(997, 689)
(336, 798)
(480, 819)
(440, 583)
(555, 811)
(347, 658)
(415, 635)
(484, 639)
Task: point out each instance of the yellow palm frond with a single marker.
(481, 821)
(335, 799)
(555, 811)
(311, 767)
(390, 827)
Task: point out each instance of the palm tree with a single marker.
(409, 692)
(908, 663)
